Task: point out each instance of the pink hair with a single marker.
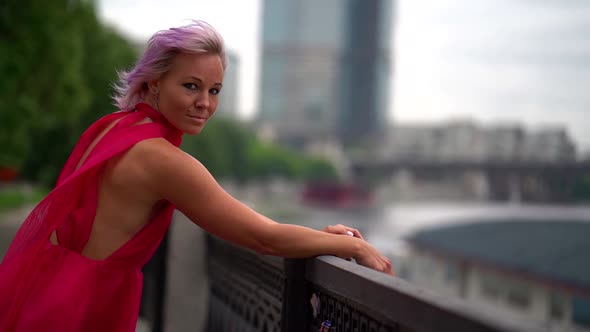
(197, 37)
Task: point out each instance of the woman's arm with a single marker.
(185, 182)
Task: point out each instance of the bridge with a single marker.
(505, 180)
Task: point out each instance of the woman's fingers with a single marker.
(356, 233)
(388, 267)
(373, 259)
(343, 230)
(335, 229)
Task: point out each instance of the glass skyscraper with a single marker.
(325, 69)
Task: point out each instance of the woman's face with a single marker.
(188, 92)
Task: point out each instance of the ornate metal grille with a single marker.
(345, 316)
(246, 289)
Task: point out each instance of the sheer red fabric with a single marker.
(46, 287)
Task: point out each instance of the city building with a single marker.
(325, 69)
(228, 99)
(465, 141)
(523, 269)
(365, 71)
(549, 144)
(504, 143)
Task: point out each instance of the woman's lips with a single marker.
(199, 118)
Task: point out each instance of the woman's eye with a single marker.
(191, 86)
(214, 91)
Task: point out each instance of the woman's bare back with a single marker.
(125, 201)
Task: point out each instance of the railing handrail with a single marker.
(397, 301)
(389, 302)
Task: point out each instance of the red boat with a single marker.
(335, 194)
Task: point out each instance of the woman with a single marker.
(75, 263)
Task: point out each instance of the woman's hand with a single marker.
(343, 230)
(369, 256)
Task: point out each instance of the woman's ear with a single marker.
(153, 87)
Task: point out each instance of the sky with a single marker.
(490, 61)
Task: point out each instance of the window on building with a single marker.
(452, 273)
(427, 266)
(519, 296)
(556, 306)
(491, 286)
(313, 112)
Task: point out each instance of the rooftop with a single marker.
(553, 251)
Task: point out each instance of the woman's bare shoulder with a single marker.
(171, 172)
(158, 157)
(155, 152)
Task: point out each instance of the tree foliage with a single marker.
(58, 62)
(229, 149)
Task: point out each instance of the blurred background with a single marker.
(452, 133)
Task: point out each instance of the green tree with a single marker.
(229, 149)
(58, 63)
(319, 170)
(41, 61)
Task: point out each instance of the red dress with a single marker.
(46, 287)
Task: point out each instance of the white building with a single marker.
(522, 269)
(504, 143)
(466, 141)
(549, 144)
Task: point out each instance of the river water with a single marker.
(387, 226)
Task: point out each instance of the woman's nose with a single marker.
(202, 100)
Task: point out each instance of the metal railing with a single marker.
(251, 292)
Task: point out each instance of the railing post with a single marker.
(154, 287)
(161, 285)
(296, 307)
